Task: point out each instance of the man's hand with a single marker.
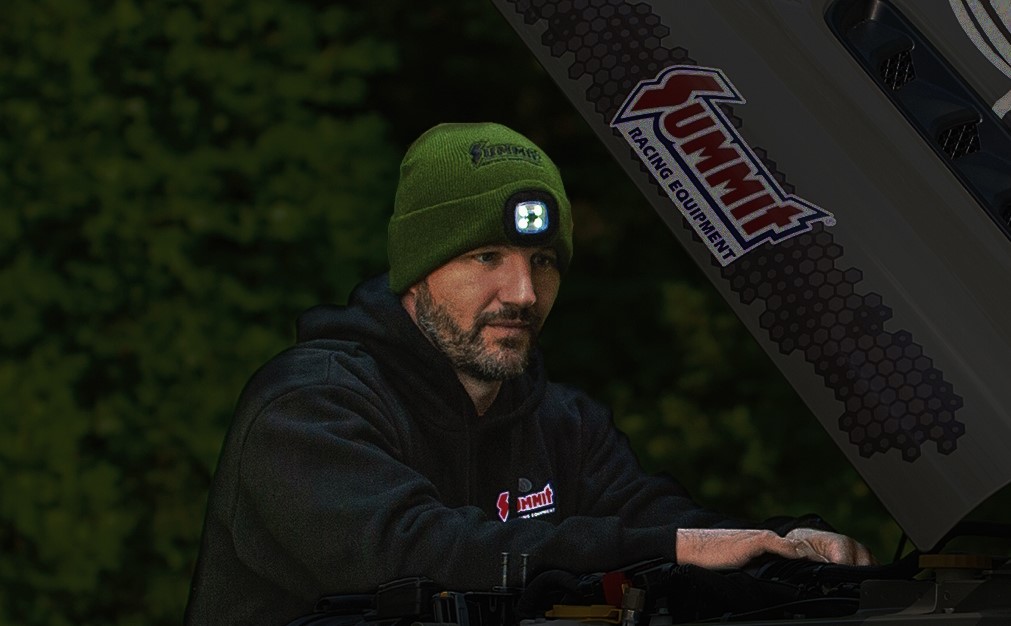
(821, 545)
(720, 548)
(724, 548)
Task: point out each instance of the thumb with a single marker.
(787, 547)
(805, 550)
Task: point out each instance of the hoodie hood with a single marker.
(375, 319)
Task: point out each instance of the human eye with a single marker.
(486, 257)
(545, 259)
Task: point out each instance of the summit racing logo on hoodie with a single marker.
(705, 167)
(531, 505)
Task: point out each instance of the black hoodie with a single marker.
(356, 457)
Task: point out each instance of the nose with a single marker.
(517, 285)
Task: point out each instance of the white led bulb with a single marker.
(531, 217)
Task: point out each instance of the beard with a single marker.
(505, 358)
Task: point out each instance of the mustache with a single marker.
(510, 313)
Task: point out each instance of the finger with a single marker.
(864, 556)
(805, 549)
(832, 547)
(852, 552)
(789, 548)
(826, 547)
(841, 550)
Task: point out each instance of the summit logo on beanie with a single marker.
(484, 153)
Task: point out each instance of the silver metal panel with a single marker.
(891, 320)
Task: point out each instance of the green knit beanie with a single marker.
(463, 186)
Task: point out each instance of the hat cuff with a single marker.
(418, 243)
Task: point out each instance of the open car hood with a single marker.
(841, 170)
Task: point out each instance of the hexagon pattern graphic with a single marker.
(892, 395)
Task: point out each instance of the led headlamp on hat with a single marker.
(463, 186)
(530, 218)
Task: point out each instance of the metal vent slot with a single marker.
(935, 100)
(897, 70)
(960, 140)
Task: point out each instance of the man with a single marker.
(413, 432)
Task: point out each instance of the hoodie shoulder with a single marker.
(373, 313)
(306, 364)
(574, 401)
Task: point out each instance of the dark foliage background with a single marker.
(180, 179)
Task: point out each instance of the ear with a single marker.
(409, 299)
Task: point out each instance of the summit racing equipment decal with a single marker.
(706, 168)
(536, 504)
(532, 505)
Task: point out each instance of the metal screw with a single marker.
(505, 570)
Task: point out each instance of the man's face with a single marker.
(484, 308)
